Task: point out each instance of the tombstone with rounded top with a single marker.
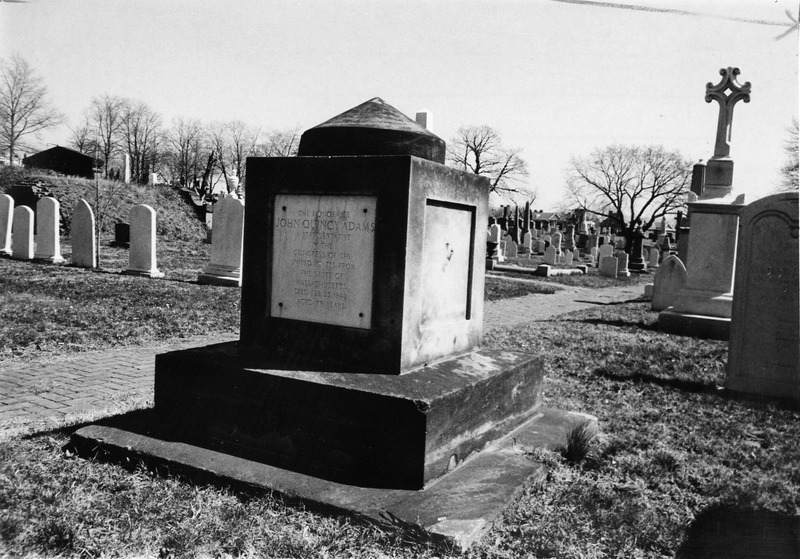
(6, 221)
(142, 258)
(226, 244)
(668, 281)
(84, 242)
(764, 347)
(48, 238)
(22, 234)
(608, 266)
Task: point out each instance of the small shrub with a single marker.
(579, 442)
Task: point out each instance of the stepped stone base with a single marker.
(457, 509)
(711, 327)
(390, 431)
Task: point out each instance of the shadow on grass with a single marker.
(732, 532)
(617, 323)
(147, 422)
(691, 386)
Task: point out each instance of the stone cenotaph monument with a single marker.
(358, 380)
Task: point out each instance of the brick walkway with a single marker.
(45, 394)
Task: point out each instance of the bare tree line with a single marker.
(187, 153)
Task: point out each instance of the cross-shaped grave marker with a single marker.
(719, 171)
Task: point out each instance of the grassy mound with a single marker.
(176, 218)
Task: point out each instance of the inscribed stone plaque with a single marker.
(446, 257)
(322, 259)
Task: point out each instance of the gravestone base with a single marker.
(457, 509)
(49, 259)
(371, 430)
(144, 273)
(703, 326)
(216, 274)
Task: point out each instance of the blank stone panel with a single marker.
(446, 259)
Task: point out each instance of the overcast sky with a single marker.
(557, 78)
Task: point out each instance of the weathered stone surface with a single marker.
(22, 233)
(6, 221)
(385, 430)
(225, 267)
(426, 220)
(458, 509)
(764, 349)
(669, 280)
(48, 239)
(608, 266)
(372, 128)
(84, 243)
(142, 257)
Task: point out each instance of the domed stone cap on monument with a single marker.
(372, 128)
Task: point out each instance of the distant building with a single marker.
(62, 160)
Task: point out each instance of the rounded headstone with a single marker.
(372, 128)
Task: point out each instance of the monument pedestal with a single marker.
(703, 306)
(364, 429)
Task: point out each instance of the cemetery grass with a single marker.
(57, 310)
(672, 444)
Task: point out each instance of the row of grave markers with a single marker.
(17, 238)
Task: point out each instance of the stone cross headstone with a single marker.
(48, 238)
(22, 234)
(764, 346)
(719, 170)
(608, 266)
(142, 258)
(84, 243)
(225, 267)
(6, 221)
(668, 281)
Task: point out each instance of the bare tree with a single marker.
(280, 143)
(24, 108)
(141, 135)
(105, 115)
(479, 150)
(83, 138)
(634, 186)
(789, 171)
(186, 146)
